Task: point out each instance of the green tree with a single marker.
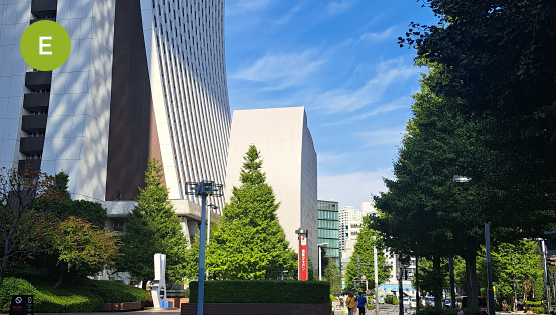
(248, 242)
(495, 57)
(25, 228)
(153, 227)
(449, 217)
(332, 274)
(84, 247)
(364, 248)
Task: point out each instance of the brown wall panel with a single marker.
(133, 137)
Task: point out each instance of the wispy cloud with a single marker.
(288, 16)
(357, 187)
(278, 72)
(387, 136)
(400, 103)
(390, 72)
(338, 7)
(326, 157)
(245, 6)
(390, 33)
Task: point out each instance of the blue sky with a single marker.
(341, 61)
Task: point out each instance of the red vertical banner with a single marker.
(303, 267)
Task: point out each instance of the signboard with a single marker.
(303, 268)
(368, 292)
(22, 305)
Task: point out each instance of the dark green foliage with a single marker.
(248, 242)
(262, 291)
(85, 296)
(332, 275)
(14, 286)
(153, 227)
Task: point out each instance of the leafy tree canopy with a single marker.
(248, 242)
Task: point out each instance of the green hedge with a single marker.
(531, 303)
(262, 291)
(431, 310)
(86, 296)
(14, 286)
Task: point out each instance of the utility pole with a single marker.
(417, 298)
(515, 289)
(358, 276)
(490, 291)
(546, 280)
(376, 278)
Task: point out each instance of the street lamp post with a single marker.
(456, 179)
(320, 246)
(211, 207)
(203, 189)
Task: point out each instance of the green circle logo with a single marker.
(45, 45)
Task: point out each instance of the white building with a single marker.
(350, 222)
(289, 160)
(145, 78)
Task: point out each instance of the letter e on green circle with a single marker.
(45, 45)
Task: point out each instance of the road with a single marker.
(384, 309)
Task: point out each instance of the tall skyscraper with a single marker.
(290, 163)
(328, 229)
(145, 78)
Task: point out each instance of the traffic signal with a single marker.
(552, 260)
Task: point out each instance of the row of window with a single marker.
(327, 205)
(324, 224)
(328, 215)
(328, 233)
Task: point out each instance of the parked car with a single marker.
(446, 303)
(413, 303)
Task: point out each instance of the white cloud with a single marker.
(245, 6)
(326, 157)
(393, 71)
(284, 19)
(400, 103)
(378, 36)
(386, 136)
(353, 188)
(281, 71)
(337, 7)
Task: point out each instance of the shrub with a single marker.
(395, 301)
(538, 310)
(262, 291)
(67, 299)
(14, 286)
(531, 303)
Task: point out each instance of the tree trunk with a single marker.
(472, 286)
(417, 298)
(438, 289)
(3, 270)
(144, 284)
(62, 274)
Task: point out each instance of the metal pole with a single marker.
(201, 289)
(208, 234)
(452, 289)
(417, 298)
(400, 288)
(376, 278)
(320, 263)
(490, 291)
(515, 287)
(554, 275)
(545, 274)
(358, 276)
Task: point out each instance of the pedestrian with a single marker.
(361, 303)
(351, 303)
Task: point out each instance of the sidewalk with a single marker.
(160, 311)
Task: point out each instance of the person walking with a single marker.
(351, 303)
(361, 303)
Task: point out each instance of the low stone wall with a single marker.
(257, 308)
(126, 306)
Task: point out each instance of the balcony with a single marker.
(41, 8)
(36, 101)
(35, 165)
(34, 123)
(53, 19)
(38, 79)
(31, 145)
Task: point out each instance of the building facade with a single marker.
(350, 220)
(144, 79)
(328, 229)
(289, 160)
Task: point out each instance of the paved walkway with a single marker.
(159, 311)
